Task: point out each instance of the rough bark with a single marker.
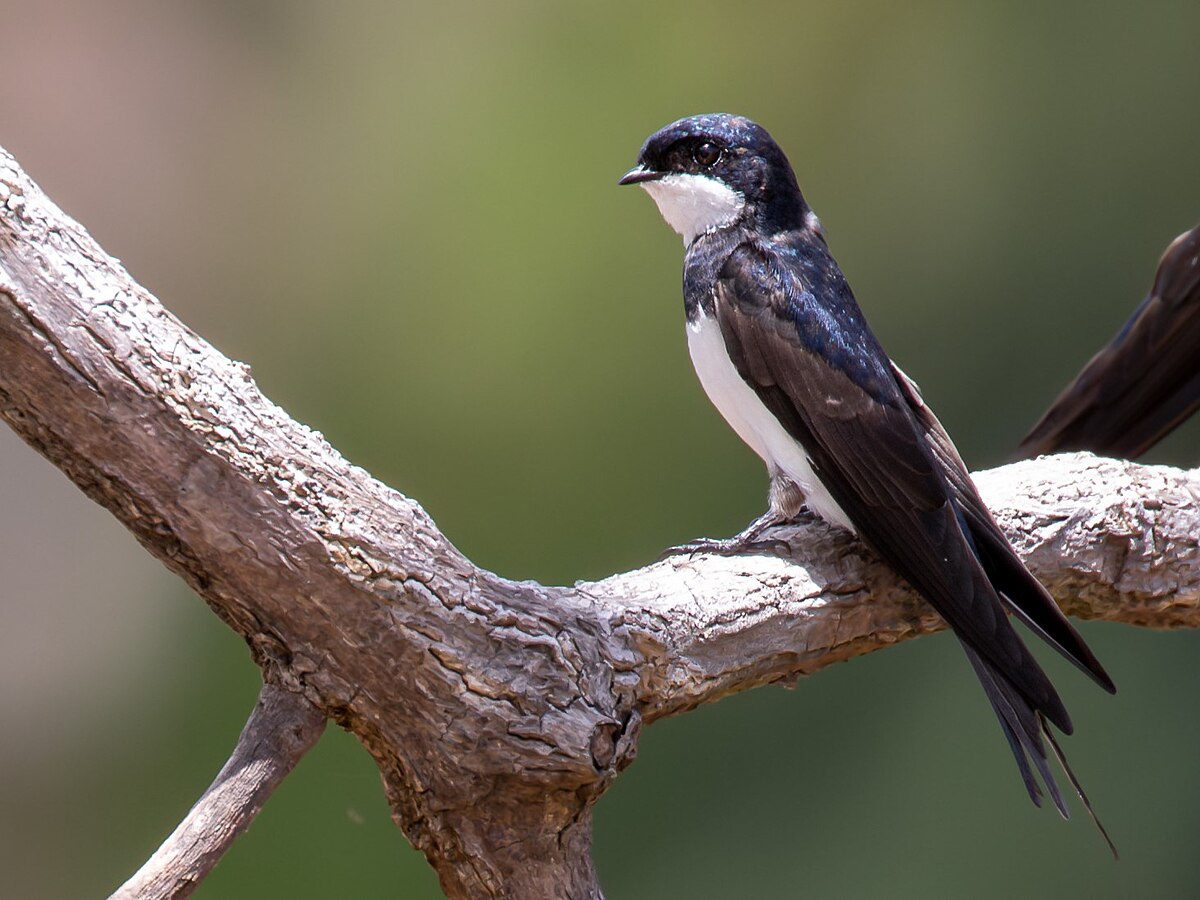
(497, 711)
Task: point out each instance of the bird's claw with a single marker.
(733, 546)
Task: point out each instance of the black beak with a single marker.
(638, 174)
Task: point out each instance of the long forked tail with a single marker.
(1028, 732)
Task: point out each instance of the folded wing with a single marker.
(891, 468)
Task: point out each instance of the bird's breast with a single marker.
(741, 407)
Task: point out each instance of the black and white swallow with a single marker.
(1146, 382)
(784, 353)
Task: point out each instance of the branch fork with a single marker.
(497, 711)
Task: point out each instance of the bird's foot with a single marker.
(748, 541)
(726, 547)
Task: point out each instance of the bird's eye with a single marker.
(706, 154)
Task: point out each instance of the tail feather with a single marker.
(1083, 798)
(1023, 728)
(1027, 732)
(1018, 752)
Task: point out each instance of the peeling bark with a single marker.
(497, 711)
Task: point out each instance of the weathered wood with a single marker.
(281, 729)
(497, 711)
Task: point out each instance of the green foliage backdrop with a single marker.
(405, 217)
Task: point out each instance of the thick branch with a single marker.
(1112, 540)
(281, 729)
(497, 711)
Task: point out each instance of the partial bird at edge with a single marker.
(1146, 382)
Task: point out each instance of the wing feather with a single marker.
(1146, 381)
(1022, 593)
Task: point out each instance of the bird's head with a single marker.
(708, 172)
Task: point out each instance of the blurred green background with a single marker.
(406, 219)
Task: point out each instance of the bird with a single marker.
(1146, 381)
(784, 353)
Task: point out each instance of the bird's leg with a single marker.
(786, 501)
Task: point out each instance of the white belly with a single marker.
(753, 422)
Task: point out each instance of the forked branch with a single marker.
(497, 711)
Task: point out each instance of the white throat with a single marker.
(695, 204)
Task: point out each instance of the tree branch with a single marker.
(281, 729)
(497, 711)
(1111, 540)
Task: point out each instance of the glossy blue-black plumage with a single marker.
(796, 276)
